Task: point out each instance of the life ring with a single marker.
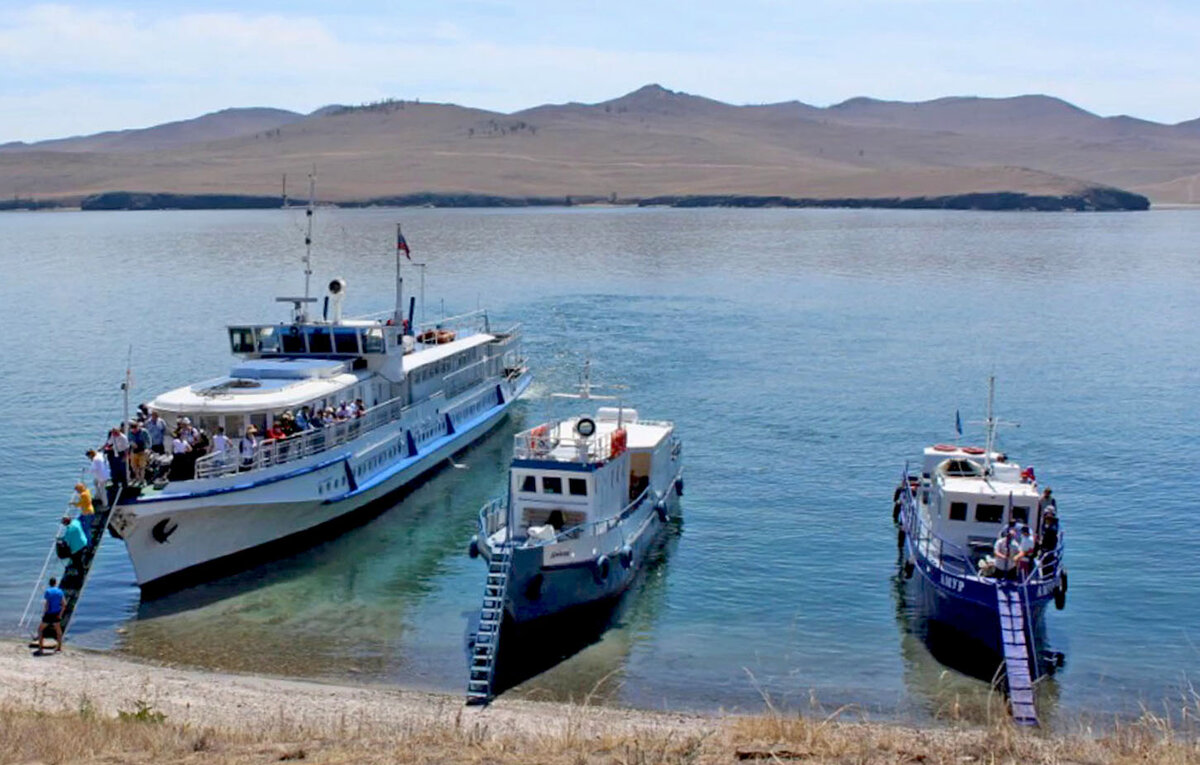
(945, 448)
(972, 450)
(538, 443)
(600, 569)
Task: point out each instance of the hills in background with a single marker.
(650, 143)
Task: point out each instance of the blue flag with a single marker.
(957, 423)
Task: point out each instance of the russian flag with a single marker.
(401, 244)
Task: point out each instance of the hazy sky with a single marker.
(68, 69)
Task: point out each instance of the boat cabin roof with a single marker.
(262, 384)
(432, 353)
(561, 442)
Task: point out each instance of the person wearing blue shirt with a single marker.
(52, 617)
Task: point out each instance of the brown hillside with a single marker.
(648, 143)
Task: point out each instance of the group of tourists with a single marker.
(1017, 548)
(126, 457)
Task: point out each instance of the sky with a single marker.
(78, 68)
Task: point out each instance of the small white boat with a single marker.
(588, 499)
(427, 392)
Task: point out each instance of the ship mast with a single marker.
(308, 213)
(990, 425)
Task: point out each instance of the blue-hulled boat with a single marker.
(962, 579)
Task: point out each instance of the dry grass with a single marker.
(568, 738)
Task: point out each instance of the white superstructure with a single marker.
(427, 393)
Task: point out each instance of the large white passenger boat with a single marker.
(426, 392)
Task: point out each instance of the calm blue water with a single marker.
(805, 355)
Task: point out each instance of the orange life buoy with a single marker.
(972, 450)
(945, 448)
(538, 443)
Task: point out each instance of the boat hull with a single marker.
(958, 616)
(238, 522)
(540, 588)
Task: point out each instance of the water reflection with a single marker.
(582, 655)
(340, 608)
(948, 676)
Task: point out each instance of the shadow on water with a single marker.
(581, 654)
(340, 606)
(949, 675)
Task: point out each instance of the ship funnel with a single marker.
(337, 293)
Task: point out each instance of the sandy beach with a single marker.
(82, 706)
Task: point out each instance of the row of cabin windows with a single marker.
(444, 366)
(985, 513)
(353, 341)
(553, 485)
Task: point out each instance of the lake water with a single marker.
(805, 355)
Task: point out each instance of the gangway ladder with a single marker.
(1020, 664)
(74, 579)
(486, 646)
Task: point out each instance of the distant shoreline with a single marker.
(1095, 199)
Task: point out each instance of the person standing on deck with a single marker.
(139, 452)
(1005, 553)
(222, 445)
(247, 447)
(156, 429)
(83, 501)
(117, 448)
(52, 617)
(100, 475)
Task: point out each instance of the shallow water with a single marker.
(805, 356)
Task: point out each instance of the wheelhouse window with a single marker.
(989, 513)
(242, 340)
(529, 484)
(577, 487)
(293, 341)
(319, 340)
(551, 485)
(372, 341)
(345, 340)
(1020, 513)
(958, 511)
(268, 340)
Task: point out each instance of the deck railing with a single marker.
(956, 558)
(316, 440)
(307, 443)
(543, 441)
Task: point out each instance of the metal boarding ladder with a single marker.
(75, 578)
(1020, 665)
(486, 645)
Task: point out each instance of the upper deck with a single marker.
(613, 431)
